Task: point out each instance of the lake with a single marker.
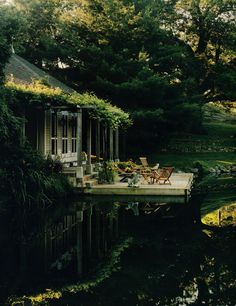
(116, 251)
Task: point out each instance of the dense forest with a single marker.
(160, 60)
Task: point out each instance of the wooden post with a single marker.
(89, 146)
(79, 244)
(79, 137)
(104, 142)
(111, 144)
(98, 135)
(117, 145)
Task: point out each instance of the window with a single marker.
(54, 133)
(64, 134)
(73, 133)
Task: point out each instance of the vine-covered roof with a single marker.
(21, 71)
(33, 87)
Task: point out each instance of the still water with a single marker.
(178, 253)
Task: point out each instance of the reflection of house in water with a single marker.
(63, 131)
(82, 235)
(85, 231)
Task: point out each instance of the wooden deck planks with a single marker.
(180, 186)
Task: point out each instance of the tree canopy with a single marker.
(153, 55)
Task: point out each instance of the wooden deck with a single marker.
(180, 186)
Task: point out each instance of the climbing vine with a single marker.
(40, 95)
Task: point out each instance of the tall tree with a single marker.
(207, 26)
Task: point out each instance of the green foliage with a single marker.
(11, 24)
(29, 179)
(202, 167)
(39, 94)
(127, 166)
(151, 114)
(223, 79)
(208, 25)
(141, 55)
(186, 117)
(28, 182)
(106, 174)
(9, 124)
(4, 55)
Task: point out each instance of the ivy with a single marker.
(41, 95)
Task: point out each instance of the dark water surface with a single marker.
(181, 253)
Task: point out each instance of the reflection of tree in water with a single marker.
(209, 278)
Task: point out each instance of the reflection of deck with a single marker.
(180, 186)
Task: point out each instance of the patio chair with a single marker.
(146, 171)
(163, 176)
(145, 164)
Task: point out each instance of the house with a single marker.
(76, 133)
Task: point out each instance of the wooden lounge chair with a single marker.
(162, 176)
(145, 164)
(145, 170)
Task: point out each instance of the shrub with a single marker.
(107, 173)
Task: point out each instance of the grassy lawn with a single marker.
(219, 129)
(219, 138)
(187, 160)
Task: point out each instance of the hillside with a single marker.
(214, 148)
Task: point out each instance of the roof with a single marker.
(20, 71)
(21, 76)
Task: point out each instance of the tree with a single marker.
(207, 26)
(12, 26)
(5, 41)
(121, 50)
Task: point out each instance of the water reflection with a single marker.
(79, 237)
(219, 209)
(175, 260)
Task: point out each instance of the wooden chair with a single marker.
(162, 176)
(145, 170)
(144, 162)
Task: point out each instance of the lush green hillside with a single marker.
(215, 147)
